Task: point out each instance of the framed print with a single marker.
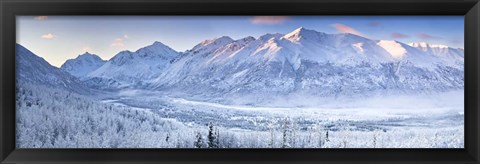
(255, 81)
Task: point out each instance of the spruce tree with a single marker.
(212, 143)
(199, 140)
(286, 134)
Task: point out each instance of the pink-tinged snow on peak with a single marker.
(425, 57)
(230, 50)
(269, 36)
(295, 33)
(393, 47)
(206, 47)
(303, 33)
(215, 41)
(235, 45)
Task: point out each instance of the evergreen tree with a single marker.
(167, 138)
(212, 138)
(326, 136)
(199, 140)
(217, 133)
(320, 138)
(272, 134)
(286, 134)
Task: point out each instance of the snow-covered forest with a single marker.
(54, 118)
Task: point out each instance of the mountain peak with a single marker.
(36, 70)
(155, 49)
(154, 45)
(223, 39)
(211, 44)
(87, 55)
(393, 47)
(300, 31)
(269, 36)
(82, 64)
(157, 43)
(248, 38)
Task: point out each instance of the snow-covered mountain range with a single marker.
(309, 62)
(301, 62)
(127, 69)
(83, 64)
(452, 56)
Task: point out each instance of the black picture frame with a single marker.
(470, 9)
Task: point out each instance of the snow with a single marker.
(74, 121)
(34, 69)
(426, 45)
(302, 33)
(230, 50)
(452, 57)
(130, 68)
(211, 44)
(303, 89)
(366, 109)
(394, 48)
(82, 65)
(241, 73)
(419, 44)
(303, 62)
(358, 47)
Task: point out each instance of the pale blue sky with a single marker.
(58, 38)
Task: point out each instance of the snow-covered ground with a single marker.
(435, 123)
(54, 118)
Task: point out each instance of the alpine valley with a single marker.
(301, 89)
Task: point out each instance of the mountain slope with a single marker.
(454, 57)
(132, 68)
(33, 69)
(307, 62)
(83, 64)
